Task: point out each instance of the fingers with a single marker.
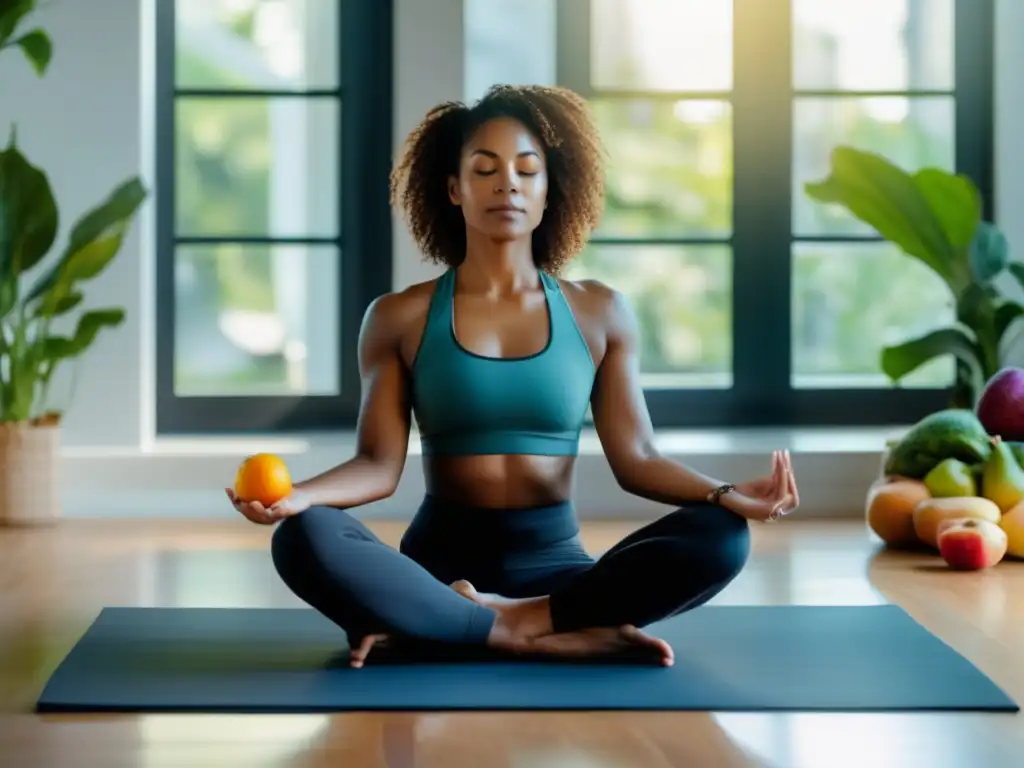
(253, 510)
(779, 476)
(263, 514)
(787, 497)
(792, 484)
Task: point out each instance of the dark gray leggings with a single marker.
(335, 564)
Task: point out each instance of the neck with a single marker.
(500, 267)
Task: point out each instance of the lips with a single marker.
(505, 209)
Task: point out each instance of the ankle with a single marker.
(520, 623)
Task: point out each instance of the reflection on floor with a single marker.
(53, 581)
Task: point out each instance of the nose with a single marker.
(507, 182)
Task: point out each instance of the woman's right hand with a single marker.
(255, 512)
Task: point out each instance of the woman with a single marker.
(498, 359)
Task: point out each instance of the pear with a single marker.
(1002, 479)
(951, 478)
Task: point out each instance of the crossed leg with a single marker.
(335, 564)
(677, 563)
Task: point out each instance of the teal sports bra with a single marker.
(470, 405)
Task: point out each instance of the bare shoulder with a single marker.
(599, 302)
(392, 315)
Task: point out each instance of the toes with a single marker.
(635, 635)
(358, 655)
(465, 589)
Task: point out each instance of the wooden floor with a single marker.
(53, 582)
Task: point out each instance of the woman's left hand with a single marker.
(769, 497)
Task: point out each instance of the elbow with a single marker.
(382, 476)
(628, 475)
(626, 484)
(632, 472)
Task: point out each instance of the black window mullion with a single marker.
(255, 240)
(973, 111)
(973, 80)
(364, 97)
(763, 199)
(166, 118)
(367, 64)
(257, 93)
(762, 211)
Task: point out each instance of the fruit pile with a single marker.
(951, 486)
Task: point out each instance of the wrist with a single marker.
(718, 494)
(734, 501)
(307, 493)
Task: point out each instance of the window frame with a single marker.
(365, 95)
(762, 237)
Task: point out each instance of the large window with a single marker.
(757, 305)
(273, 146)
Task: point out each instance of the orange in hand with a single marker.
(263, 478)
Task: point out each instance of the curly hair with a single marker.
(561, 122)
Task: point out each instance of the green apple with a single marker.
(950, 478)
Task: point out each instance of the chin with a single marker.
(507, 234)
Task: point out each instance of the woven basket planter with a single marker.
(29, 474)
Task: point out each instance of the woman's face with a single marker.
(502, 184)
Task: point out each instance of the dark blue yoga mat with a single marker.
(728, 658)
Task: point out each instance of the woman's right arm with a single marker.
(382, 431)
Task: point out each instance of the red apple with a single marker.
(1000, 407)
(971, 544)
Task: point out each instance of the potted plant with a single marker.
(935, 216)
(33, 312)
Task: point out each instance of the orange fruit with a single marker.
(263, 478)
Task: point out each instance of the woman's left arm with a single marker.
(623, 422)
(624, 428)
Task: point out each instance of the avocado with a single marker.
(953, 433)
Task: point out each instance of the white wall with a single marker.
(82, 124)
(88, 123)
(428, 71)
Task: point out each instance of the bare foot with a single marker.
(625, 641)
(488, 599)
(525, 626)
(357, 656)
(518, 620)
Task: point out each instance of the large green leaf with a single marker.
(66, 304)
(989, 252)
(56, 348)
(28, 213)
(11, 14)
(94, 241)
(903, 359)
(119, 207)
(1007, 313)
(955, 201)
(927, 215)
(38, 49)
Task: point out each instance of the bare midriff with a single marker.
(499, 482)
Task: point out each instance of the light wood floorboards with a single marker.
(53, 582)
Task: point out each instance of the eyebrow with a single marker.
(494, 155)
